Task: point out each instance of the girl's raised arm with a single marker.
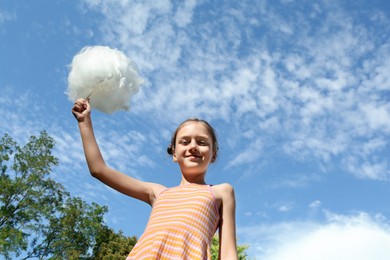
(227, 228)
(121, 182)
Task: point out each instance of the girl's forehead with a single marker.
(193, 128)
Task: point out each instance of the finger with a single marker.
(79, 102)
(76, 110)
(87, 104)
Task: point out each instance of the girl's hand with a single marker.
(81, 109)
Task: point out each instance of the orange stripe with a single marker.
(181, 225)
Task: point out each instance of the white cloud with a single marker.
(14, 119)
(285, 207)
(248, 155)
(184, 13)
(315, 204)
(360, 237)
(371, 167)
(295, 181)
(6, 16)
(377, 115)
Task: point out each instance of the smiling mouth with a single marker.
(192, 156)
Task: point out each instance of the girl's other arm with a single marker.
(227, 228)
(121, 182)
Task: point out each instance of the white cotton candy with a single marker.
(106, 76)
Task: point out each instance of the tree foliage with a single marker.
(38, 218)
(27, 196)
(241, 249)
(111, 245)
(72, 232)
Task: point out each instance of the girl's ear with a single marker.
(214, 157)
(174, 156)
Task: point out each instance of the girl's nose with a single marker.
(193, 146)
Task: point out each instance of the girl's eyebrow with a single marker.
(190, 136)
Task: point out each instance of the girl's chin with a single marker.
(193, 166)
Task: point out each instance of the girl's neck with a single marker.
(185, 181)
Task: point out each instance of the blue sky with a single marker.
(298, 92)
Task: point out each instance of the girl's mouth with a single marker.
(193, 156)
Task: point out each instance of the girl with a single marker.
(183, 218)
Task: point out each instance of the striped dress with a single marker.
(181, 225)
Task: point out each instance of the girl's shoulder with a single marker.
(157, 189)
(223, 191)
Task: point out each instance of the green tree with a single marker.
(241, 249)
(27, 195)
(111, 245)
(72, 231)
(38, 218)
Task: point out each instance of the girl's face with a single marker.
(193, 148)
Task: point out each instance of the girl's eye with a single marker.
(202, 143)
(183, 142)
(198, 142)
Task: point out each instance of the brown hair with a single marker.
(209, 128)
